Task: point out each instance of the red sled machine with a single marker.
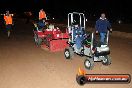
(51, 38)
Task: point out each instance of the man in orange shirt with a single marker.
(8, 22)
(42, 14)
(42, 18)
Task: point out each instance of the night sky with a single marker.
(113, 8)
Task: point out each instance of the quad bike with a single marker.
(83, 43)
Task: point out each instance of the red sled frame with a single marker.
(52, 39)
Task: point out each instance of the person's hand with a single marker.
(12, 14)
(2, 14)
(111, 30)
(97, 32)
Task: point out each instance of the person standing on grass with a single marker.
(102, 26)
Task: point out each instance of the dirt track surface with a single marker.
(23, 65)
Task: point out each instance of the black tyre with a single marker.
(107, 60)
(46, 42)
(49, 36)
(37, 40)
(68, 53)
(81, 80)
(89, 63)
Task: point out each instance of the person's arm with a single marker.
(4, 17)
(39, 15)
(109, 26)
(2, 14)
(96, 26)
(12, 15)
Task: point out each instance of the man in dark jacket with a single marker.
(102, 26)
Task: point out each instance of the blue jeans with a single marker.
(102, 38)
(78, 41)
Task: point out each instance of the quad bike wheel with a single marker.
(107, 60)
(37, 40)
(68, 53)
(81, 80)
(89, 63)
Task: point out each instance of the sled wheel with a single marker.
(89, 63)
(106, 60)
(48, 39)
(46, 42)
(68, 53)
(81, 80)
(37, 40)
